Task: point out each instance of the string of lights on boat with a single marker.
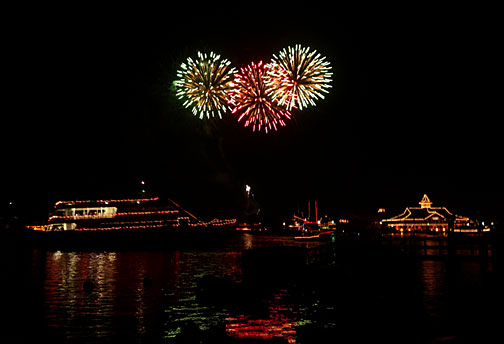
(106, 202)
(123, 214)
(160, 224)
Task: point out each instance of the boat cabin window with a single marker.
(100, 212)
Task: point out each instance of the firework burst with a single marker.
(204, 84)
(252, 100)
(298, 77)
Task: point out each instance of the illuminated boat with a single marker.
(107, 215)
(141, 214)
(131, 223)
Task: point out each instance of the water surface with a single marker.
(145, 296)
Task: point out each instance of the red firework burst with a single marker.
(252, 100)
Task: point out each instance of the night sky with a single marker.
(90, 112)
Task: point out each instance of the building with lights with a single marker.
(429, 219)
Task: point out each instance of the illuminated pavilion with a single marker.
(427, 218)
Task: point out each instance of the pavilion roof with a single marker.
(424, 213)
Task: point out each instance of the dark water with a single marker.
(152, 296)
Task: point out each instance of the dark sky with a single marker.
(413, 109)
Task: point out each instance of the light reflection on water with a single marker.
(191, 267)
(153, 294)
(432, 276)
(132, 293)
(280, 321)
(68, 306)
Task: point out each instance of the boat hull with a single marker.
(158, 239)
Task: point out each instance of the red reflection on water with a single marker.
(280, 322)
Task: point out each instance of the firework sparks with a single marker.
(252, 100)
(204, 84)
(298, 77)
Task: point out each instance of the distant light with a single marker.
(142, 182)
(143, 190)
